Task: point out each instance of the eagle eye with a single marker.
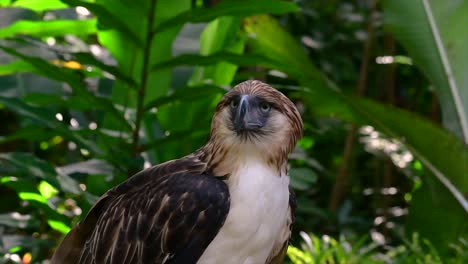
(265, 107)
(234, 104)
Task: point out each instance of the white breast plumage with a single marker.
(258, 211)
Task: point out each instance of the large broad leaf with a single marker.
(15, 67)
(268, 38)
(5, 3)
(47, 69)
(217, 57)
(39, 6)
(437, 217)
(229, 8)
(434, 34)
(445, 156)
(442, 153)
(107, 19)
(302, 178)
(222, 34)
(50, 28)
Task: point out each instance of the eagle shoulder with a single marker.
(166, 214)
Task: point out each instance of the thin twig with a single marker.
(144, 77)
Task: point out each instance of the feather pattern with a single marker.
(165, 214)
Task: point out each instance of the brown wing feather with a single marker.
(70, 249)
(167, 214)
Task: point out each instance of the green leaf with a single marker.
(182, 95)
(439, 151)
(18, 184)
(29, 196)
(107, 20)
(39, 6)
(91, 166)
(97, 184)
(27, 166)
(50, 28)
(183, 137)
(19, 66)
(302, 178)
(228, 8)
(443, 208)
(87, 58)
(47, 119)
(25, 242)
(74, 79)
(74, 102)
(443, 155)
(5, 3)
(434, 34)
(222, 34)
(18, 220)
(15, 67)
(59, 226)
(268, 38)
(222, 56)
(47, 190)
(47, 69)
(82, 103)
(298, 256)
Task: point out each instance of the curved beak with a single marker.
(246, 116)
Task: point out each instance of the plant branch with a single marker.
(144, 76)
(341, 182)
(388, 175)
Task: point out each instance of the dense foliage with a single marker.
(93, 91)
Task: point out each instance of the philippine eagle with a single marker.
(228, 202)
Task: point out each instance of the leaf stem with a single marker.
(144, 77)
(448, 71)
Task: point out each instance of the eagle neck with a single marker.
(222, 161)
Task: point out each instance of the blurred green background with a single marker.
(94, 91)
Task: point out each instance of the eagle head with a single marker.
(255, 117)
